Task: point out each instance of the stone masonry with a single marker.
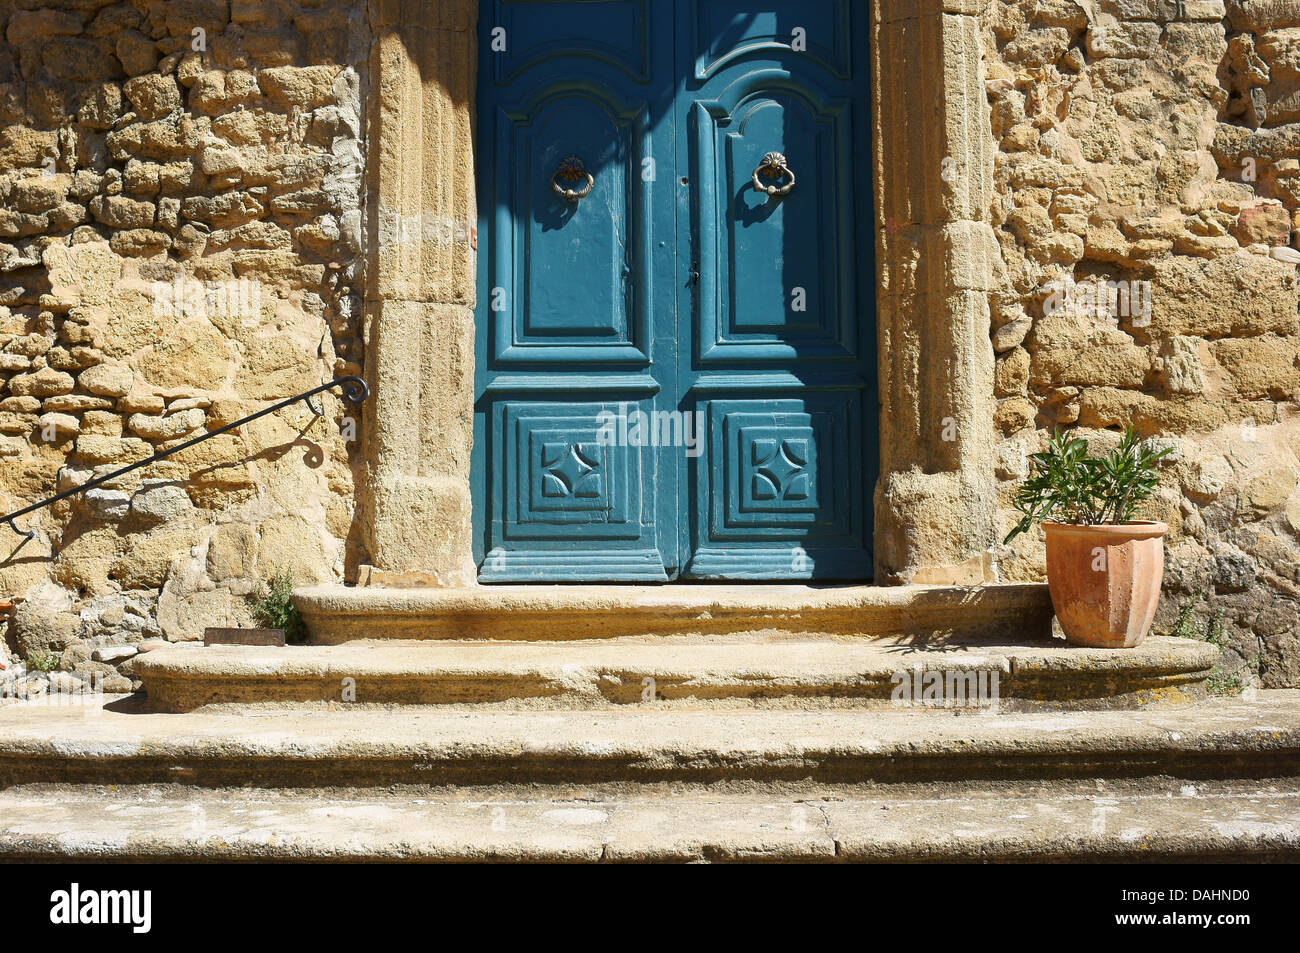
(1158, 141)
(190, 229)
(180, 238)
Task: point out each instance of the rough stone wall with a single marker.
(180, 245)
(1158, 141)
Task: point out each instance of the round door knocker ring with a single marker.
(773, 167)
(571, 170)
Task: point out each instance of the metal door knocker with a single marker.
(571, 170)
(774, 167)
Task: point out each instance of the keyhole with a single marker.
(685, 180)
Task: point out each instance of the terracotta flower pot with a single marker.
(1105, 580)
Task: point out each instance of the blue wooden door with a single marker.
(675, 335)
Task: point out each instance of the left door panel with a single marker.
(569, 332)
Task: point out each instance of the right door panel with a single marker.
(777, 304)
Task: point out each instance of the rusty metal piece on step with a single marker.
(216, 636)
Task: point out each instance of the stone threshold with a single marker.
(336, 613)
(724, 671)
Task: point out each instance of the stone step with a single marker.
(109, 740)
(336, 614)
(1220, 821)
(717, 671)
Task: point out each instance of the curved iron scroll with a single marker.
(354, 390)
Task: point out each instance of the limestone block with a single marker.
(1107, 356)
(39, 194)
(136, 52)
(20, 146)
(421, 165)
(232, 552)
(75, 403)
(107, 504)
(1013, 414)
(1011, 373)
(294, 544)
(146, 562)
(25, 25)
(1237, 295)
(107, 380)
(20, 405)
(114, 653)
(60, 424)
(217, 93)
(194, 356)
(306, 87)
(46, 382)
(156, 502)
(1266, 224)
(165, 139)
(187, 403)
(223, 211)
(118, 211)
(928, 524)
(1207, 477)
(98, 448)
(138, 242)
(16, 423)
(153, 96)
(38, 628)
(277, 365)
(1263, 366)
(1180, 365)
(433, 510)
(1267, 491)
(103, 422)
(166, 428)
(141, 402)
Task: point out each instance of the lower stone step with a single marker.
(110, 741)
(1220, 821)
(714, 670)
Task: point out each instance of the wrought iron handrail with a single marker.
(355, 391)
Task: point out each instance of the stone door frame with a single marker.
(937, 258)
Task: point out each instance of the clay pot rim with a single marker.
(1137, 529)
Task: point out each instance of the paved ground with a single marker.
(1094, 821)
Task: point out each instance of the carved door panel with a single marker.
(782, 356)
(576, 312)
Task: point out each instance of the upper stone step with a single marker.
(717, 671)
(336, 614)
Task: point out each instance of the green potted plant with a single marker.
(1104, 568)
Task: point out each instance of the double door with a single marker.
(675, 330)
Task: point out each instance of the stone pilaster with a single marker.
(420, 292)
(937, 260)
